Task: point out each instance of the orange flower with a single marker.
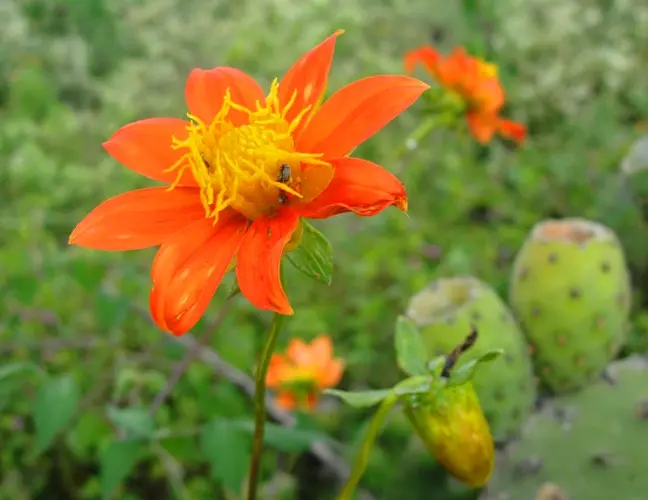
(303, 372)
(477, 85)
(242, 172)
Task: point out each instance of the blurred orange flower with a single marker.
(242, 172)
(300, 374)
(476, 83)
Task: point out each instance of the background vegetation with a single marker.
(81, 364)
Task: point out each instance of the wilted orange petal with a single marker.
(331, 375)
(356, 112)
(286, 400)
(358, 186)
(512, 130)
(482, 126)
(205, 91)
(138, 219)
(259, 258)
(145, 147)
(426, 55)
(189, 268)
(308, 78)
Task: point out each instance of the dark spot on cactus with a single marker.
(476, 316)
(516, 413)
(528, 466)
(523, 274)
(450, 320)
(531, 349)
(579, 361)
(561, 339)
(564, 414)
(553, 258)
(642, 410)
(499, 395)
(606, 266)
(621, 299)
(603, 460)
(575, 293)
(546, 370)
(504, 317)
(508, 358)
(599, 322)
(535, 311)
(489, 415)
(524, 387)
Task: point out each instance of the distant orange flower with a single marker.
(300, 375)
(476, 83)
(242, 172)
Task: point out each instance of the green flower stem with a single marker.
(362, 458)
(428, 125)
(259, 404)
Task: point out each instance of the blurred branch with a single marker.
(244, 382)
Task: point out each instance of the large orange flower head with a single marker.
(475, 84)
(240, 174)
(301, 374)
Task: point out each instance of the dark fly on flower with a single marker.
(283, 177)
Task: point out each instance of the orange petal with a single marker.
(426, 55)
(307, 78)
(286, 400)
(356, 112)
(188, 269)
(299, 352)
(512, 130)
(275, 370)
(138, 219)
(145, 147)
(359, 186)
(259, 258)
(322, 349)
(482, 126)
(205, 91)
(331, 375)
(314, 180)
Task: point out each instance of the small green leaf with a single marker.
(314, 255)
(466, 372)
(56, 402)
(227, 449)
(16, 368)
(414, 385)
(282, 438)
(116, 462)
(137, 422)
(435, 365)
(360, 399)
(409, 347)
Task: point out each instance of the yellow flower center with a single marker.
(252, 168)
(487, 69)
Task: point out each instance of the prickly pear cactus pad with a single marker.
(591, 445)
(570, 290)
(445, 311)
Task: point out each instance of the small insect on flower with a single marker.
(283, 177)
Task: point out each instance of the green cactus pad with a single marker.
(570, 291)
(444, 313)
(591, 445)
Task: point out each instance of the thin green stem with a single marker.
(362, 457)
(259, 404)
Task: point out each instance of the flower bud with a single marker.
(451, 424)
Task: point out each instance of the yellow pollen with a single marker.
(487, 69)
(239, 165)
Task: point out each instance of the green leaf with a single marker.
(227, 448)
(409, 347)
(137, 422)
(466, 372)
(288, 439)
(116, 463)
(436, 364)
(16, 368)
(56, 402)
(314, 255)
(419, 384)
(360, 399)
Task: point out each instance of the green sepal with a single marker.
(466, 372)
(314, 255)
(409, 347)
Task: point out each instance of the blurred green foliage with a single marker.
(81, 362)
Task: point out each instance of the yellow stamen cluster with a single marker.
(238, 165)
